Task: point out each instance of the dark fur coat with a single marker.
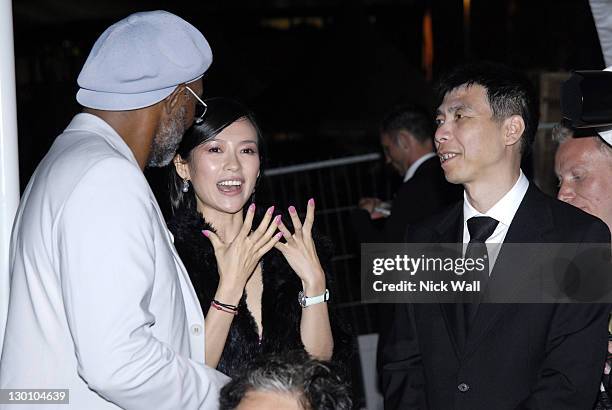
(281, 312)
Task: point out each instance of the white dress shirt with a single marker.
(503, 211)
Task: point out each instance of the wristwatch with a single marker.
(306, 301)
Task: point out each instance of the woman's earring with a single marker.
(185, 185)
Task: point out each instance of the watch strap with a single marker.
(306, 301)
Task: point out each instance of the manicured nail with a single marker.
(251, 207)
(292, 209)
(206, 233)
(277, 219)
(270, 210)
(278, 235)
(311, 202)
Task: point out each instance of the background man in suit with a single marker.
(100, 302)
(495, 356)
(406, 135)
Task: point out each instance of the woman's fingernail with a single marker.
(278, 235)
(311, 202)
(205, 233)
(292, 209)
(270, 210)
(251, 207)
(277, 219)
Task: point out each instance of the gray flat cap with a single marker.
(140, 60)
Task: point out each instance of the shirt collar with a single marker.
(94, 124)
(505, 209)
(416, 164)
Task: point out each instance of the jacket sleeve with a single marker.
(575, 353)
(403, 378)
(105, 235)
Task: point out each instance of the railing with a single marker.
(337, 185)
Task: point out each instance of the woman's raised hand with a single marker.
(236, 260)
(300, 251)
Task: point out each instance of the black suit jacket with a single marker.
(516, 356)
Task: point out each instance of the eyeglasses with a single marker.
(200, 108)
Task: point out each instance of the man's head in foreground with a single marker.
(290, 381)
(487, 119)
(406, 134)
(144, 77)
(584, 168)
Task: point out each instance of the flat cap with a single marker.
(140, 60)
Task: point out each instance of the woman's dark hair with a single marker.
(221, 113)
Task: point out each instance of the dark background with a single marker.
(319, 74)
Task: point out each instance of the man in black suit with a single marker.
(406, 136)
(492, 355)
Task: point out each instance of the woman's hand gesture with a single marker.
(300, 252)
(236, 260)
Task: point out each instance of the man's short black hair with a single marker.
(509, 93)
(316, 385)
(411, 118)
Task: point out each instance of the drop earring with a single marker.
(185, 185)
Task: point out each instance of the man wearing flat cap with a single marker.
(100, 303)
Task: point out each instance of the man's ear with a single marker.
(404, 139)
(174, 99)
(514, 127)
(182, 168)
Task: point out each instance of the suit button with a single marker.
(463, 387)
(196, 330)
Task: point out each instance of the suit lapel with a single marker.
(530, 224)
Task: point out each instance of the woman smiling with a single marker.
(248, 280)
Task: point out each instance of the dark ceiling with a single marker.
(62, 11)
(322, 72)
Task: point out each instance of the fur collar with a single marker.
(281, 314)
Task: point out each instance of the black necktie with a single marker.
(480, 228)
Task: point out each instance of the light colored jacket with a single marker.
(100, 302)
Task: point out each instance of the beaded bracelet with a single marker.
(224, 307)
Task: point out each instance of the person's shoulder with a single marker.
(429, 170)
(576, 219)
(88, 167)
(571, 222)
(429, 178)
(187, 225)
(196, 251)
(428, 229)
(77, 153)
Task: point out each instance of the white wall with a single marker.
(9, 168)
